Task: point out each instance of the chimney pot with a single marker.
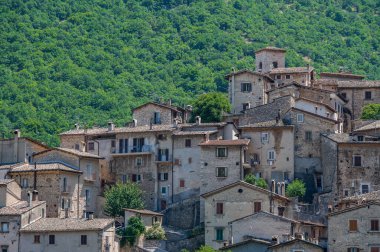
(35, 195)
(198, 120)
(111, 126)
(76, 126)
(17, 133)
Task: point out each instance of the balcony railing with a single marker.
(135, 149)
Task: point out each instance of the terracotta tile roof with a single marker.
(237, 142)
(345, 138)
(316, 102)
(67, 225)
(359, 84)
(353, 208)
(5, 181)
(54, 166)
(371, 126)
(282, 244)
(194, 132)
(371, 196)
(171, 107)
(105, 131)
(281, 70)
(143, 211)
(271, 48)
(267, 214)
(19, 208)
(249, 240)
(342, 74)
(266, 124)
(71, 151)
(194, 125)
(248, 71)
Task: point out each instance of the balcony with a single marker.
(135, 150)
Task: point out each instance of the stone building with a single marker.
(19, 149)
(16, 214)
(159, 113)
(355, 228)
(350, 166)
(234, 201)
(66, 234)
(268, 154)
(296, 245)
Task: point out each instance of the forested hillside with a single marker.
(91, 61)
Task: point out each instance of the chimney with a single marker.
(134, 123)
(17, 133)
(279, 188)
(91, 216)
(198, 120)
(76, 126)
(273, 185)
(83, 149)
(111, 126)
(35, 195)
(175, 124)
(283, 188)
(170, 102)
(29, 198)
(151, 124)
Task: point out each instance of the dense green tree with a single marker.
(122, 196)
(260, 182)
(133, 230)
(371, 111)
(156, 232)
(296, 188)
(211, 106)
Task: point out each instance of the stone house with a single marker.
(350, 166)
(148, 217)
(16, 214)
(355, 228)
(234, 201)
(248, 245)
(57, 184)
(285, 75)
(296, 245)
(368, 130)
(19, 149)
(159, 113)
(67, 234)
(268, 154)
(247, 89)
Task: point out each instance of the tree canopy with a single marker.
(122, 196)
(260, 182)
(210, 106)
(90, 61)
(371, 111)
(296, 188)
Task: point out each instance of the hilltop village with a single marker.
(285, 124)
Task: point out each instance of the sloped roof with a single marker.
(371, 196)
(237, 142)
(353, 208)
(194, 132)
(248, 71)
(5, 181)
(105, 131)
(67, 225)
(271, 48)
(171, 107)
(245, 184)
(250, 240)
(282, 70)
(71, 151)
(371, 126)
(282, 244)
(143, 211)
(342, 74)
(359, 84)
(51, 166)
(19, 208)
(267, 214)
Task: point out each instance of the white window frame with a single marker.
(300, 118)
(245, 86)
(217, 173)
(139, 161)
(365, 184)
(166, 191)
(264, 137)
(5, 224)
(271, 155)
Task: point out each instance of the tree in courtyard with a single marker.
(210, 107)
(371, 111)
(296, 188)
(122, 196)
(260, 182)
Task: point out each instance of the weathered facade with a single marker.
(296, 245)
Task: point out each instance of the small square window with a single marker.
(308, 136)
(91, 146)
(278, 77)
(353, 225)
(182, 183)
(219, 234)
(287, 76)
(374, 225)
(221, 172)
(368, 95)
(163, 190)
(275, 64)
(264, 137)
(51, 239)
(357, 161)
(219, 208)
(246, 87)
(188, 143)
(300, 118)
(221, 152)
(83, 240)
(5, 227)
(364, 188)
(36, 239)
(344, 95)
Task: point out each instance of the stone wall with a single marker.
(267, 57)
(190, 244)
(145, 114)
(183, 215)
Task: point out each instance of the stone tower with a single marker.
(269, 58)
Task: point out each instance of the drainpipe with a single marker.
(172, 169)
(240, 163)
(35, 176)
(78, 193)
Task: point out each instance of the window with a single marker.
(163, 176)
(83, 240)
(4, 248)
(51, 239)
(121, 145)
(219, 208)
(89, 174)
(271, 155)
(300, 118)
(139, 161)
(219, 234)
(138, 144)
(353, 225)
(221, 172)
(352, 249)
(375, 249)
(357, 161)
(182, 183)
(91, 146)
(188, 143)
(264, 137)
(62, 203)
(308, 136)
(360, 138)
(344, 95)
(25, 183)
(87, 197)
(261, 65)
(346, 192)
(246, 106)
(163, 190)
(113, 144)
(374, 225)
(136, 177)
(76, 146)
(5, 227)
(124, 179)
(256, 207)
(221, 152)
(275, 64)
(319, 183)
(163, 155)
(287, 76)
(278, 77)
(36, 239)
(368, 95)
(364, 188)
(157, 118)
(246, 87)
